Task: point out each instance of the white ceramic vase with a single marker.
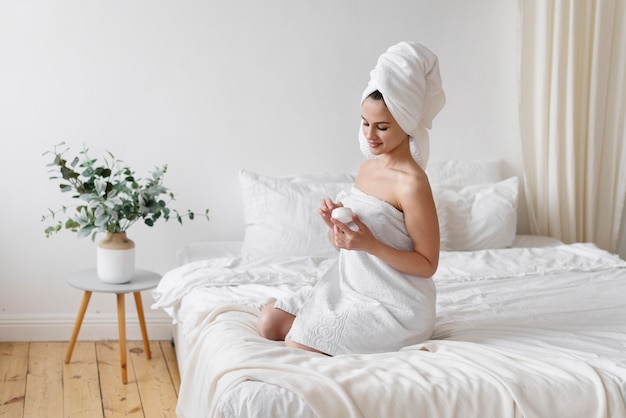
(115, 258)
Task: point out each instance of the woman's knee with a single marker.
(264, 322)
(273, 323)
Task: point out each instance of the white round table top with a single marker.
(88, 280)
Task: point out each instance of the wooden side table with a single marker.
(88, 281)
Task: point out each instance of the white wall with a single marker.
(210, 87)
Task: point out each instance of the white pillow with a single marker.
(463, 173)
(477, 217)
(281, 213)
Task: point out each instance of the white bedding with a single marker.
(525, 331)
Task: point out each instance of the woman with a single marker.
(380, 297)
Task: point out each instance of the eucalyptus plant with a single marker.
(111, 198)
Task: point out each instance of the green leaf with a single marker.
(71, 224)
(67, 173)
(53, 229)
(85, 231)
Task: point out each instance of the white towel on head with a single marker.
(407, 76)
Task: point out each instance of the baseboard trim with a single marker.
(60, 327)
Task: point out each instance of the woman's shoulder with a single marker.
(396, 185)
(410, 176)
(412, 183)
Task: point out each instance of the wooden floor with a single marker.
(35, 382)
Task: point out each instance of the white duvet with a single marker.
(533, 332)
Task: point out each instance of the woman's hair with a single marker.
(376, 95)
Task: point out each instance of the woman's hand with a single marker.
(362, 239)
(326, 209)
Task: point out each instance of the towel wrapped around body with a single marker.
(364, 305)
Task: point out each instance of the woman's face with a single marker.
(380, 128)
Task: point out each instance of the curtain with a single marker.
(572, 115)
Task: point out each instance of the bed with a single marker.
(526, 326)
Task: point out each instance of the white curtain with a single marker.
(572, 112)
